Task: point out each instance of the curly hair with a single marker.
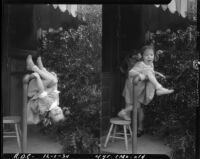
(146, 47)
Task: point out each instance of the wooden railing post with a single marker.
(24, 113)
(134, 120)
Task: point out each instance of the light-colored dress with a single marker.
(145, 89)
(39, 103)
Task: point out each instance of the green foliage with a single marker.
(173, 116)
(75, 55)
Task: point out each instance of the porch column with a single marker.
(24, 114)
(134, 120)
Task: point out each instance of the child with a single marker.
(127, 64)
(143, 75)
(45, 99)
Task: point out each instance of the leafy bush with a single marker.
(75, 55)
(173, 116)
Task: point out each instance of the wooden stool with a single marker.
(17, 133)
(118, 122)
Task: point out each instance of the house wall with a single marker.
(21, 30)
(109, 64)
(121, 33)
(17, 69)
(19, 41)
(4, 69)
(130, 28)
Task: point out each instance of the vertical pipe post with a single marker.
(134, 120)
(24, 114)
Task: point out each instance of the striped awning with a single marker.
(72, 9)
(183, 7)
(56, 17)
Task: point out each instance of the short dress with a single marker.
(145, 89)
(40, 103)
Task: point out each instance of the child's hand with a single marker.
(139, 77)
(161, 75)
(142, 77)
(36, 75)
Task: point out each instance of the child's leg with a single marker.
(140, 113)
(128, 109)
(150, 75)
(43, 73)
(125, 113)
(160, 90)
(41, 66)
(48, 77)
(39, 82)
(140, 118)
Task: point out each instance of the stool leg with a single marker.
(125, 137)
(108, 136)
(129, 127)
(20, 133)
(114, 132)
(18, 137)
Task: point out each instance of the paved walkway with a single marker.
(37, 143)
(146, 144)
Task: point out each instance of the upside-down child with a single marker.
(143, 75)
(44, 100)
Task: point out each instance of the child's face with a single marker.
(148, 56)
(57, 114)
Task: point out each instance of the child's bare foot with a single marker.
(163, 91)
(122, 114)
(39, 63)
(29, 63)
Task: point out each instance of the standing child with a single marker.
(45, 98)
(143, 75)
(127, 64)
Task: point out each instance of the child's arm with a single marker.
(137, 75)
(160, 74)
(133, 73)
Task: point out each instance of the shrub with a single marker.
(75, 55)
(173, 116)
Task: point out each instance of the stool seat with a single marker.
(11, 119)
(119, 121)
